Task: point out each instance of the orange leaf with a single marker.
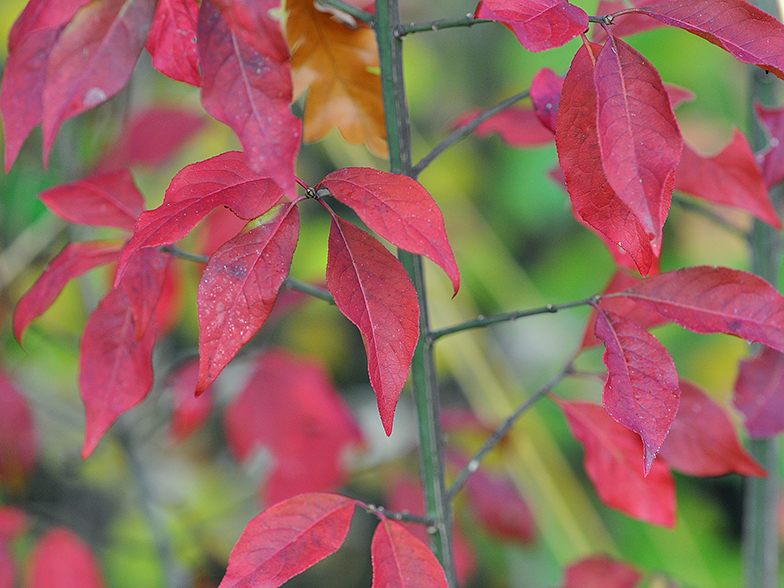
(339, 66)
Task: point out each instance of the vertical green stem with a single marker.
(760, 524)
(423, 373)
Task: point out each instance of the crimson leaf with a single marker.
(62, 560)
(517, 126)
(546, 88)
(612, 454)
(373, 290)
(773, 158)
(537, 24)
(702, 440)
(716, 300)
(143, 282)
(92, 60)
(402, 560)
(189, 411)
(238, 289)
(247, 84)
(399, 209)
(288, 538)
(172, 41)
(641, 391)
(18, 444)
(758, 393)
(601, 571)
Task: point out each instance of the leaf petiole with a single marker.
(436, 25)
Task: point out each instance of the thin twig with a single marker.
(404, 516)
(465, 130)
(484, 321)
(436, 25)
(498, 434)
(712, 216)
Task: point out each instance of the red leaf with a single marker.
(601, 571)
(773, 158)
(638, 136)
(151, 137)
(625, 24)
(291, 407)
(143, 283)
(580, 157)
(499, 507)
(731, 177)
(29, 43)
(287, 539)
(641, 391)
(537, 24)
(612, 454)
(238, 289)
(92, 60)
(115, 365)
(749, 34)
(758, 393)
(62, 560)
(172, 40)
(717, 300)
(373, 290)
(18, 443)
(74, 260)
(402, 560)
(546, 88)
(197, 189)
(517, 127)
(107, 200)
(702, 440)
(247, 85)
(7, 568)
(399, 209)
(189, 411)
(13, 522)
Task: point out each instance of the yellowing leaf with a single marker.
(339, 65)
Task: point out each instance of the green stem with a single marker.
(357, 13)
(423, 373)
(436, 25)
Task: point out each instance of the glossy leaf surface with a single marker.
(246, 84)
(18, 439)
(62, 560)
(732, 177)
(612, 462)
(402, 560)
(238, 289)
(288, 538)
(703, 441)
(291, 408)
(172, 40)
(601, 571)
(758, 393)
(373, 290)
(399, 209)
(537, 24)
(641, 391)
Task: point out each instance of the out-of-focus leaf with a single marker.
(189, 411)
(62, 560)
(546, 88)
(287, 539)
(517, 126)
(702, 439)
(402, 560)
(773, 157)
(172, 40)
(373, 290)
(18, 442)
(291, 407)
(143, 282)
(399, 209)
(758, 393)
(601, 571)
(13, 522)
(641, 391)
(612, 462)
(625, 24)
(338, 66)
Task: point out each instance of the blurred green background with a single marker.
(517, 246)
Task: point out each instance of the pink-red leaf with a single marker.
(576, 138)
(197, 189)
(42, 14)
(732, 177)
(291, 407)
(373, 290)
(287, 539)
(115, 364)
(62, 560)
(517, 126)
(13, 522)
(106, 200)
(403, 561)
(399, 209)
(716, 300)
(246, 84)
(624, 24)
(639, 138)
(601, 571)
(18, 442)
(189, 411)
(143, 283)
(92, 60)
(172, 40)
(702, 440)
(758, 393)
(74, 260)
(612, 462)
(641, 391)
(499, 507)
(749, 34)
(773, 158)
(238, 290)
(537, 24)
(546, 88)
